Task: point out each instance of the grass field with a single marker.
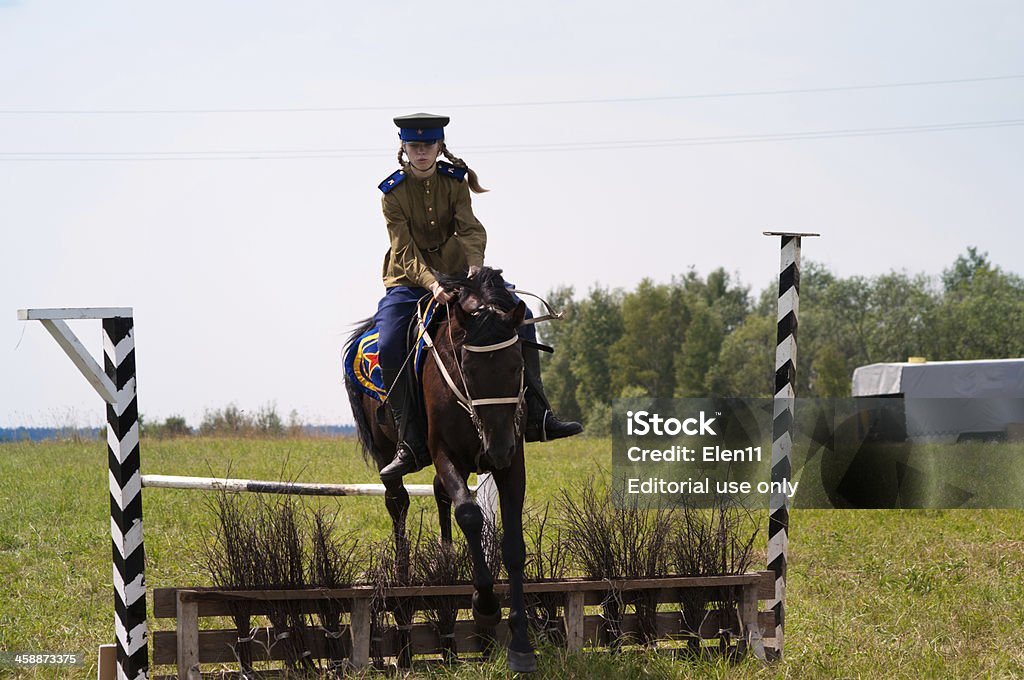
(911, 594)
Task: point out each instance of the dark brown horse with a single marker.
(473, 396)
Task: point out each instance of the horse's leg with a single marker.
(511, 494)
(396, 499)
(486, 608)
(447, 614)
(444, 509)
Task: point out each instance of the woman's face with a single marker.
(422, 154)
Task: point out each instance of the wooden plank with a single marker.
(750, 625)
(667, 625)
(766, 586)
(188, 637)
(214, 602)
(217, 646)
(562, 586)
(574, 613)
(107, 660)
(165, 604)
(360, 630)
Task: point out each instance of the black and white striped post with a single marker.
(126, 500)
(782, 422)
(116, 384)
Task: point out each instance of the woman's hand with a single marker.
(440, 294)
(473, 269)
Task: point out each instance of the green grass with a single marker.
(912, 594)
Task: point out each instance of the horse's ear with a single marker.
(517, 315)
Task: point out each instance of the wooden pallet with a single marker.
(188, 647)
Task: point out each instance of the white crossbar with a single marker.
(291, 488)
(75, 313)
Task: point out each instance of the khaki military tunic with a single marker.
(431, 225)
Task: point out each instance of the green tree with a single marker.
(598, 329)
(699, 350)
(830, 375)
(653, 318)
(900, 314)
(560, 383)
(731, 303)
(175, 426)
(965, 268)
(746, 362)
(981, 317)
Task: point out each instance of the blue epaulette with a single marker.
(451, 170)
(392, 181)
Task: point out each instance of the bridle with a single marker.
(463, 398)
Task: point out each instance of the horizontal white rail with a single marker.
(291, 488)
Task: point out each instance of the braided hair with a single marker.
(474, 181)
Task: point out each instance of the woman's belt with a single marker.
(438, 246)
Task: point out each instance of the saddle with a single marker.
(360, 360)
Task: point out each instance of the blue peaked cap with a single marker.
(421, 127)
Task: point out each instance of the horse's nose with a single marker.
(500, 457)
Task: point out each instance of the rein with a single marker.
(465, 400)
(552, 314)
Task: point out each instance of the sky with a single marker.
(214, 165)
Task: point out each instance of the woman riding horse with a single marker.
(473, 395)
(432, 229)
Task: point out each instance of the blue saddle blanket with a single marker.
(360, 359)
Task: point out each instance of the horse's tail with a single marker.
(355, 398)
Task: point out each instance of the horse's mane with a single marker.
(487, 284)
(486, 326)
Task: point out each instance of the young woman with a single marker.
(431, 227)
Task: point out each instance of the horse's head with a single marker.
(484, 320)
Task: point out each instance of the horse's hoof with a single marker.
(522, 662)
(487, 620)
(482, 602)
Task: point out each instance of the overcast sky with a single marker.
(214, 165)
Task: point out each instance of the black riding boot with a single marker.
(411, 451)
(541, 423)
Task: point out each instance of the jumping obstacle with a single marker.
(733, 628)
(116, 384)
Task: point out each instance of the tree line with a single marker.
(708, 336)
